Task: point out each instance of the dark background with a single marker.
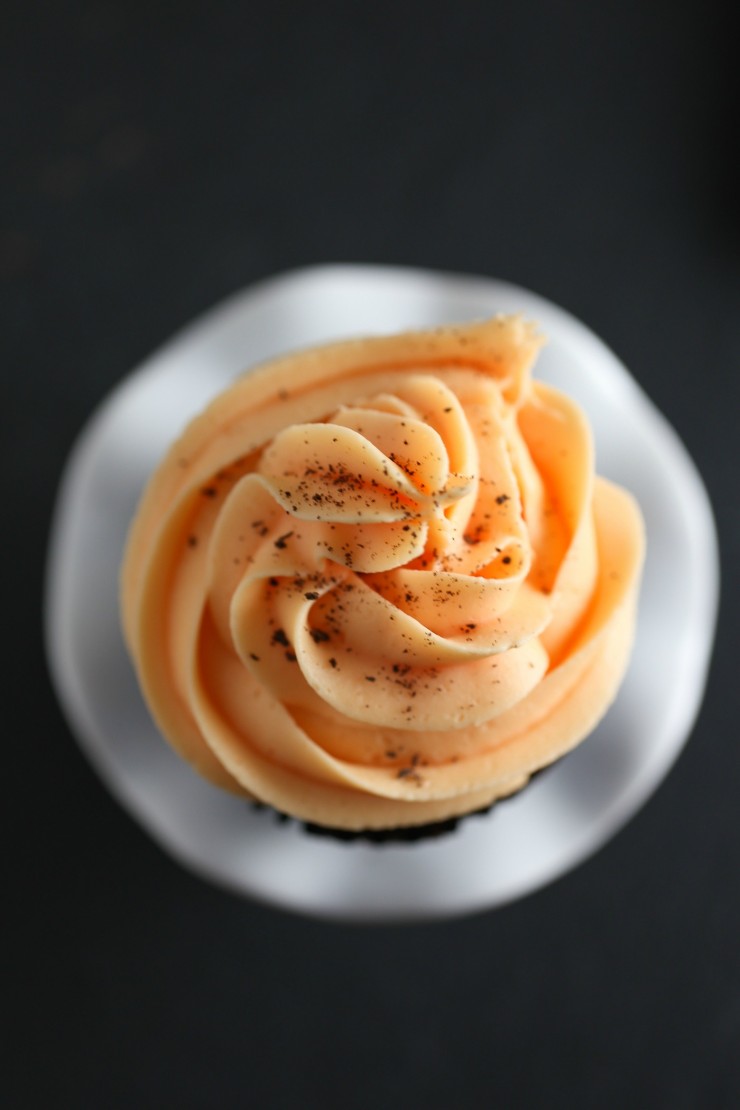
(153, 164)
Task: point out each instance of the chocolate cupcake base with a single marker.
(410, 834)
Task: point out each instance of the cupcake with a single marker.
(376, 585)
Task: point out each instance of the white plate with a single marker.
(567, 813)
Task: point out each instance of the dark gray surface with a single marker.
(153, 166)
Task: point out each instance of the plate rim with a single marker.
(706, 591)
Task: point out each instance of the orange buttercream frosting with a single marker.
(377, 583)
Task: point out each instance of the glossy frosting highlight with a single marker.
(378, 584)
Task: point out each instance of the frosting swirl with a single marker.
(378, 584)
